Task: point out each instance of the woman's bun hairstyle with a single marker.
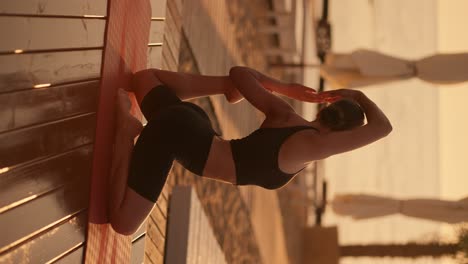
(342, 115)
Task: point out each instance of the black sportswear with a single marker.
(182, 131)
(256, 157)
(175, 130)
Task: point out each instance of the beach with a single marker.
(414, 160)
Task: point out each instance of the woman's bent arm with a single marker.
(334, 142)
(374, 115)
(292, 90)
(253, 91)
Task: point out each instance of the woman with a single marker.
(269, 157)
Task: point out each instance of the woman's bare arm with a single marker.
(292, 90)
(253, 91)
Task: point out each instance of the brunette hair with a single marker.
(341, 115)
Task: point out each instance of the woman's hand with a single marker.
(301, 87)
(303, 93)
(335, 95)
(312, 96)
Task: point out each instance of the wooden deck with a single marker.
(50, 61)
(50, 66)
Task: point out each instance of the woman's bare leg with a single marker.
(127, 209)
(188, 86)
(185, 85)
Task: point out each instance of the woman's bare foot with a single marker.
(127, 128)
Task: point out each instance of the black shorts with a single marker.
(176, 130)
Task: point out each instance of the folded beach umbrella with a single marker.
(437, 210)
(362, 206)
(365, 67)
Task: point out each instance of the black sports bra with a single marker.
(256, 157)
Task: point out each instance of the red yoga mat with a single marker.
(125, 52)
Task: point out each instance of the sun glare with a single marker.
(42, 85)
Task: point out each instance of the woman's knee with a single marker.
(131, 214)
(121, 228)
(143, 82)
(125, 223)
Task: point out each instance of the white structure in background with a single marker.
(190, 237)
(365, 206)
(288, 15)
(425, 155)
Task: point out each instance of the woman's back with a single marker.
(256, 157)
(266, 157)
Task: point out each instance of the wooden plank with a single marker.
(171, 43)
(44, 140)
(54, 7)
(170, 51)
(168, 62)
(50, 245)
(34, 106)
(158, 8)
(154, 57)
(161, 203)
(157, 31)
(24, 182)
(38, 33)
(174, 12)
(169, 59)
(23, 71)
(153, 253)
(176, 7)
(159, 219)
(76, 256)
(42, 214)
(166, 190)
(155, 235)
(173, 31)
(147, 260)
(138, 250)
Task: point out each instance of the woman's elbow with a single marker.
(234, 70)
(381, 129)
(238, 70)
(386, 128)
(121, 226)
